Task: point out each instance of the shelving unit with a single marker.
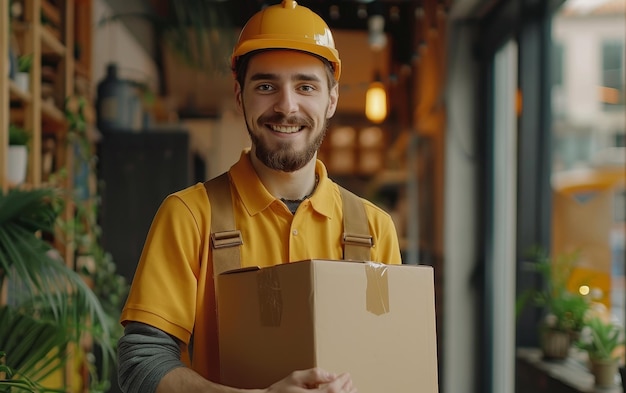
(30, 109)
(51, 31)
(57, 34)
(4, 92)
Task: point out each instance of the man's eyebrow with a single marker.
(263, 76)
(296, 77)
(306, 77)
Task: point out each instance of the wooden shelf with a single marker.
(19, 27)
(51, 116)
(51, 113)
(16, 93)
(51, 44)
(81, 70)
(51, 12)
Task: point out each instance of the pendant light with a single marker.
(376, 96)
(376, 101)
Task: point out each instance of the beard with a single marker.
(282, 156)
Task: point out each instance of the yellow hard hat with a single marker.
(288, 26)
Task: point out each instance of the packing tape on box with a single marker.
(271, 306)
(377, 291)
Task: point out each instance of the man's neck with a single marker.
(286, 185)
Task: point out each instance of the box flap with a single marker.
(252, 268)
(243, 269)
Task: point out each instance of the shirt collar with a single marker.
(256, 198)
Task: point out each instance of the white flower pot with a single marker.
(17, 162)
(22, 80)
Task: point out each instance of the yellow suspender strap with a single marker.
(226, 240)
(357, 240)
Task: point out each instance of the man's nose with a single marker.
(287, 102)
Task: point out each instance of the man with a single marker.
(286, 71)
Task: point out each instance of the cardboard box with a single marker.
(376, 322)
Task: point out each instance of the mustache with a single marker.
(288, 120)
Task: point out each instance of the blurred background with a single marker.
(501, 135)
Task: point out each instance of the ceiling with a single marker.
(406, 23)
(402, 17)
(341, 14)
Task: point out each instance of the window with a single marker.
(556, 75)
(588, 156)
(612, 89)
(557, 64)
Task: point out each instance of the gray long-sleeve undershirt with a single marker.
(145, 354)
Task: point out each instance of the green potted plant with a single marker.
(199, 32)
(601, 339)
(22, 77)
(18, 136)
(564, 310)
(17, 157)
(49, 306)
(562, 323)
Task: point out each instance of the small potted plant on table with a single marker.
(601, 338)
(564, 310)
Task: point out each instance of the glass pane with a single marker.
(588, 165)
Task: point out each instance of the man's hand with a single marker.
(313, 380)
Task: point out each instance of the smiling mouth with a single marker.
(285, 129)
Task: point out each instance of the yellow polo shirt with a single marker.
(173, 287)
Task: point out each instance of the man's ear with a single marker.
(238, 98)
(334, 99)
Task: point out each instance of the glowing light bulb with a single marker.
(376, 102)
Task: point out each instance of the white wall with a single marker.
(460, 221)
(112, 42)
(218, 141)
(582, 37)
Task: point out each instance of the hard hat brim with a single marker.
(325, 52)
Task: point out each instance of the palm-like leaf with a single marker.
(49, 304)
(199, 31)
(601, 339)
(34, 348)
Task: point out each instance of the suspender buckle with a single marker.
(357, 240)
(226, 239)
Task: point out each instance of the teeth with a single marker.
(286, 129)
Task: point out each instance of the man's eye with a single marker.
(307, 88)
(265, 87)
